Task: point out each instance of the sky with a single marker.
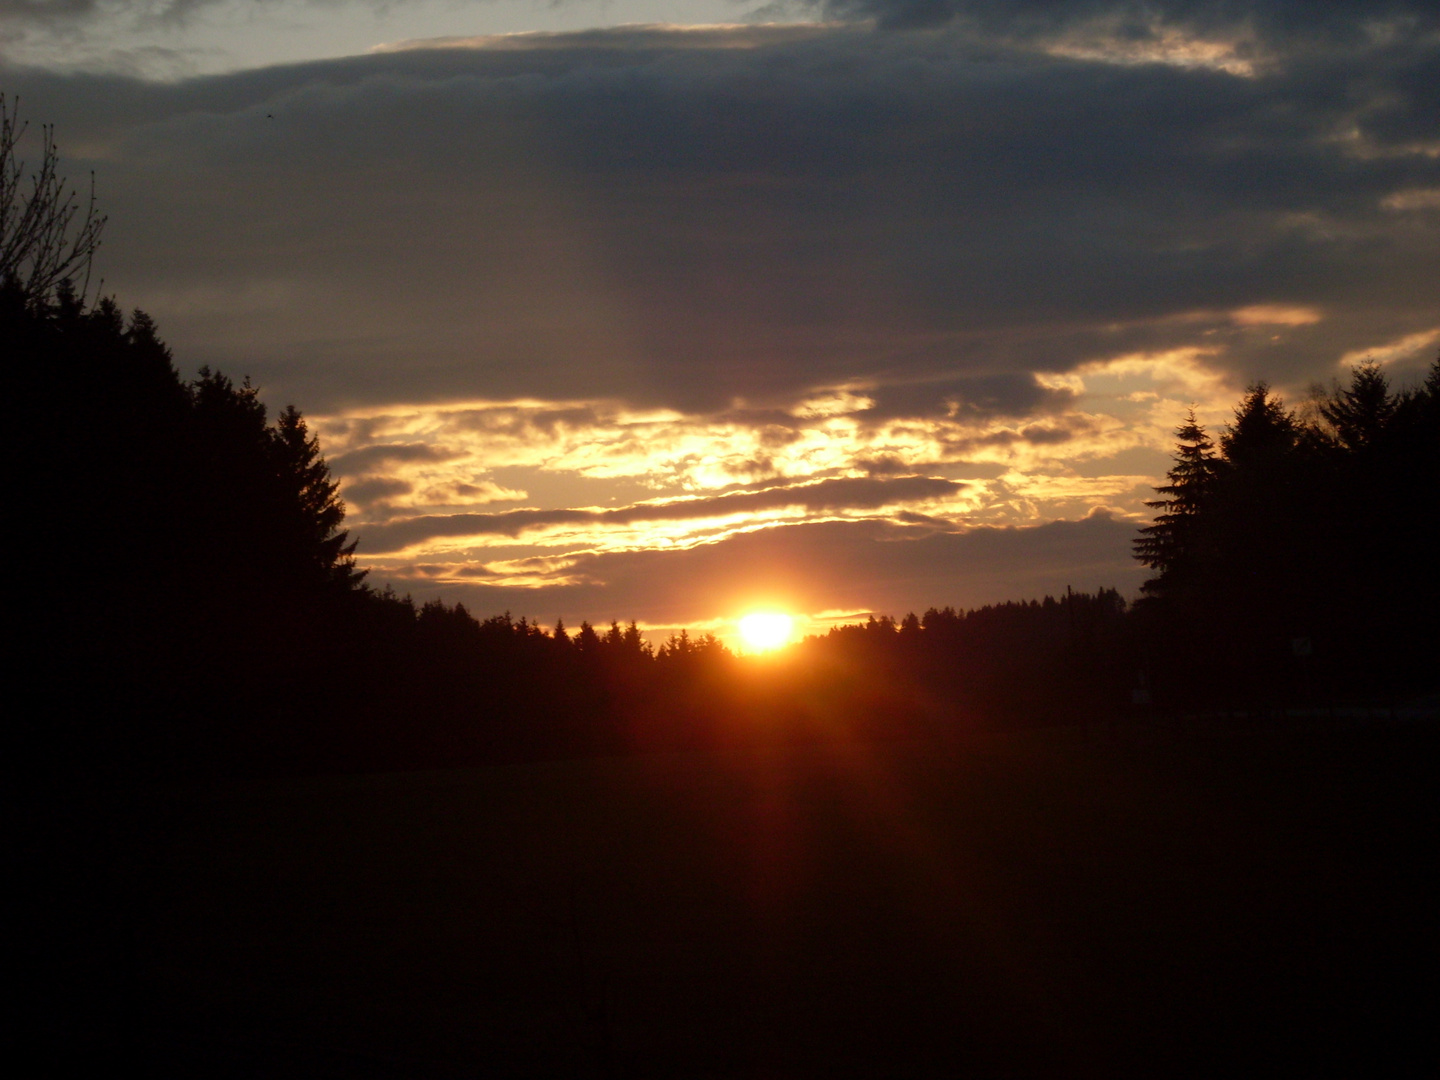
(621, 309)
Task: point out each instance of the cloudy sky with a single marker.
(671, 310)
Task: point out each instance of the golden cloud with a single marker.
(1401, 348)
(435, 474)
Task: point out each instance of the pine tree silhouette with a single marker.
(1173, 544)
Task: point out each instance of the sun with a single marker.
(762, 631)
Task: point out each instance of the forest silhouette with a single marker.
(191, 600)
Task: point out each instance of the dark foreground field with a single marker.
(1054, 904)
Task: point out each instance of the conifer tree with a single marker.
(1263, 431)
(312, 498)
(587, 642)
(1362, 411)
(1172, 544)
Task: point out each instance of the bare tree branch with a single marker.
(48, 235)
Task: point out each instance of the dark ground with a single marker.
(1062, 903)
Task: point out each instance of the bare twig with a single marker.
(48, 234)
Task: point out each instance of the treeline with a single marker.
(499, 687)
(178, 558)
(185, 596)
(1017, 664)
(1297, 559)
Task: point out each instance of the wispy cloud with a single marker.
(852, 493)
(870, 565)
(1402, 348)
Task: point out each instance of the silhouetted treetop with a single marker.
(1314, 535)
(1174, 541)
(184, 555)
(1263, 429)
(312, 496)
(1360, 412)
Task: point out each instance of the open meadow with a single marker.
(1055, 903)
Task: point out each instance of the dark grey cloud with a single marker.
(1285, 19)
(976, 398)
(856, 566)
(369, 458)
(848, 493)
(1135, 16)
(1048, 434)
(363, 493)
(47, 10)
(53, 12)
(638, 216)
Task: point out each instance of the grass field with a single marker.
(1053, 904)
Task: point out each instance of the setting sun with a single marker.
(762, 631)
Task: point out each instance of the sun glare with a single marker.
(762, 631)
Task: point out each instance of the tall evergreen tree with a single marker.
(1263, 430)
(1173, 544)
(1361, 412)
(317, 511)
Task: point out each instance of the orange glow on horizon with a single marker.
(765, 631)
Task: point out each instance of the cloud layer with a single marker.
(656, 293)
(634, 214)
